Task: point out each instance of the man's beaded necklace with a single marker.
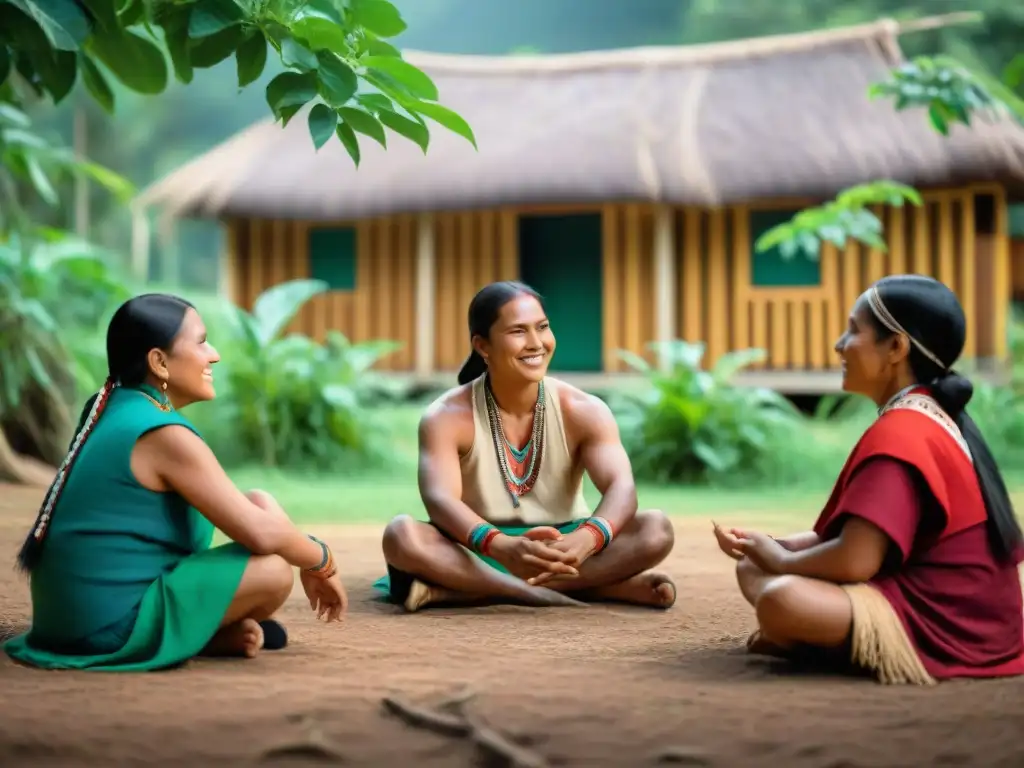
(519, 466)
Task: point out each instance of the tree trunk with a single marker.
(21, 469)
(34, 439)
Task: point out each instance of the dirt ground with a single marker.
(604, 686)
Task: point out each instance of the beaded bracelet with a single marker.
(327, 568)
(480, 538)
(601, 530)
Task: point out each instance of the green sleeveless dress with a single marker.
(127, 579)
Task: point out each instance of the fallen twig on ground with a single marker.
(453, 721)
(421, 717)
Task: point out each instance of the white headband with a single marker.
(886, 319)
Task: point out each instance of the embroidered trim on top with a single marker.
(925, 404)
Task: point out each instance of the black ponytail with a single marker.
(483, 313)
(953, 392)
(473, 368)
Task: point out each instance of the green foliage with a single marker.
(694, 425)
(286, 400)
(847, 217)
(951, 93)
(330, 49)
(55, 295)
(29, 161)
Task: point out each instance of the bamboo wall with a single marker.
(1017, 267)
(798, 326)
(381, 307)
(471, 249)
(630, 312)
(714, 299)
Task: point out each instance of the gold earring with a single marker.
(164, 386)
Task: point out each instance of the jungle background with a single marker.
(324, 412)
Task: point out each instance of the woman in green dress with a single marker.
(123, 577)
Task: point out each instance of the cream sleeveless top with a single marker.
(556, 496)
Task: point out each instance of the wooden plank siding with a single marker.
(1017, 267)
(381, 306)
(714, 299)
(471, 249)
(798, 326)
(629, 310)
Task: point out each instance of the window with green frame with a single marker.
(769, 269)
(332, 257)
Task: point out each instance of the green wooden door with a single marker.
(560, 257)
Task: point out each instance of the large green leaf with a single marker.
(278, 305)
(57, 71)
(212, 50)
(378, 16)
(290, 90)
(251, 59)
(322, 122)
(40, 181)
(338, 82)
(133, 59)
(414, 80)
(319, 25)
(410, 129)
(447, 118)
(174, 19)
(350, 141)
(97, 84)
(62, 21)
(365, 123)
(295, 55)
(212, 16)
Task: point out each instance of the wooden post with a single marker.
(425, 293)
(664, 278)
(228, 262)
(140, 244)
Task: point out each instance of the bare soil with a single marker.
(604, 686)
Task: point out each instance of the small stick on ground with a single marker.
(454, 722)
(496, 746)
(421, 717)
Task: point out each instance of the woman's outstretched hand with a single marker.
(764, 551)
(326, 596)
(728, 541)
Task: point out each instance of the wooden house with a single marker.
(628, 187)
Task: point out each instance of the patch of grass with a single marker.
(375, 496)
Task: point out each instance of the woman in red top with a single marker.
(911, 569)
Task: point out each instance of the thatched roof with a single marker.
(711, 124)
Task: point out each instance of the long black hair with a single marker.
(483, 313)
(931, 315)
(146, 322)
